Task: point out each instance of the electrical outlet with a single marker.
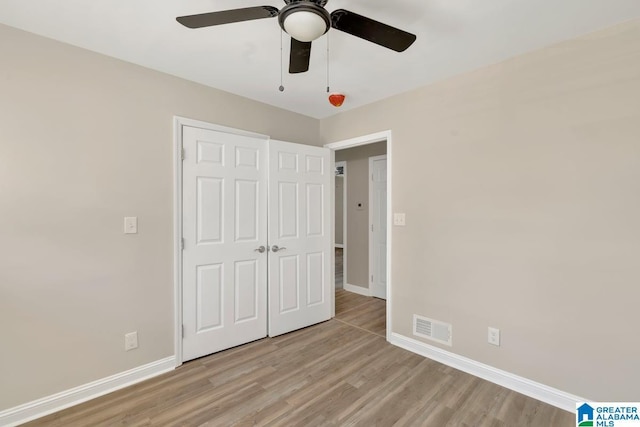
(494, 336)
(131, 341)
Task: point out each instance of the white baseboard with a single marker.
(56, 402)
(511, 381)
(339, 245)
(357, 290)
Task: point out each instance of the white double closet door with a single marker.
(257, 249)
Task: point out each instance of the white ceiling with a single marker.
(454, 36)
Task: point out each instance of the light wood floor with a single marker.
(339, 267)
(338, 373)
(363, 312)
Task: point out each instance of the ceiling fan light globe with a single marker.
(305, 26)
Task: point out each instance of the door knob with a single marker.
(261, 249)
(275, 248)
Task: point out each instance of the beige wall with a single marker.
(84, 141)
(357, 159)
(521, 186)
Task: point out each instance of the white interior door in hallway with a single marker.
(378, 226)
(225, 255)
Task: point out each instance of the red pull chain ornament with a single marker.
(336, 99)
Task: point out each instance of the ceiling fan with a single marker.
(305, 21)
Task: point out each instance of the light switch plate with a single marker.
(399, 219)
(130, 224)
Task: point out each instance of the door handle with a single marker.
(261, 249)
(275, 248)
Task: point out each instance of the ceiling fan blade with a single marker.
(299, 57)
(370, 30)
(227, 16)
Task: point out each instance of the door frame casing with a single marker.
(178, 123)
(344, 221)
(364, 140)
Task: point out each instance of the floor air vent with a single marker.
(432, 329)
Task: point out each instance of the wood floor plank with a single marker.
(338, 373)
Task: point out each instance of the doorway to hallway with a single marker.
(357, 250)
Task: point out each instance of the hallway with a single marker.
(363, 312)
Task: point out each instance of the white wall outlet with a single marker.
(399, 219)
(494, 336)
(131, 341)
(130, 224)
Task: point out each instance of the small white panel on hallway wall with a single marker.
(399, 219)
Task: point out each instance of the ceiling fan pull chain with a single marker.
(327, 63)
(281, 88)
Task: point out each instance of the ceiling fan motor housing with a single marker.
(305, 20)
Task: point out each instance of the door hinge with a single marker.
(182, 331)
(182, 243)
(372, 278)
(371, 227)
(182, 153)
